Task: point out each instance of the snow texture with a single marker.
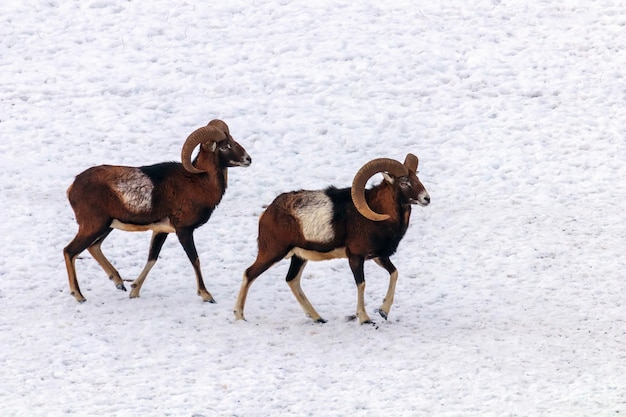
(512, 285)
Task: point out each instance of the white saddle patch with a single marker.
(135, 190)
(315, 214)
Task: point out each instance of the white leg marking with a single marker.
(388, 300)
(241, 298)
(96, 252)
(360, 304)
(136, 285)
(304, 302)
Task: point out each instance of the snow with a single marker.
(510, 300)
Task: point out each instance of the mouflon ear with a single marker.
(411, 162)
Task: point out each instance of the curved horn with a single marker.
(366, 172)
(197, 137)
(220, 125)
(411, 162)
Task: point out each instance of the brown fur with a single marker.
(354, 236)
(164, 198)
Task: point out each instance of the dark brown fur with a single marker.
(280, 233)
(180, 200)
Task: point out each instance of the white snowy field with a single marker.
(512, 289)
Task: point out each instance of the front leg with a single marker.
(356, 264)
(385, 263)
(294, 275)
(185, 237)
(96, 251)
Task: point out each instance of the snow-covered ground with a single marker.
(512, 290)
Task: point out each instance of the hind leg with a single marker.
(83, 239)
(96, 251)
(293, 279)
(277, 232)
(260, 265)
